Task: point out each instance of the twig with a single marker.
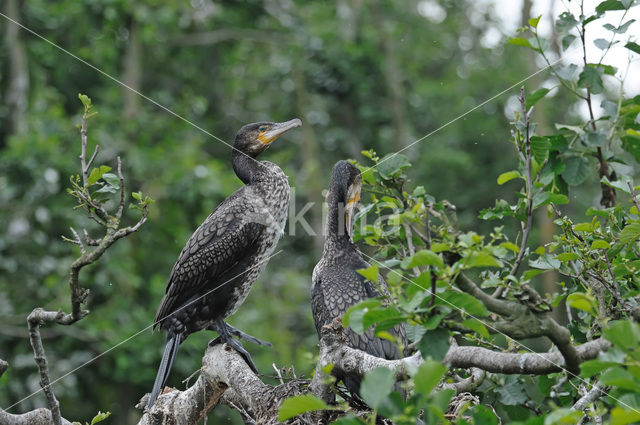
(412, 249)
(122, 192)
(277, 372)
(34, 320)
(3, 367)
(83, 150)
(525, 154)
(596, 391)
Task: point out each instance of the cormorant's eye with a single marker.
(262, 129)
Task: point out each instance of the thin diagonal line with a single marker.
(496, 330)
(464, 114)
(139, 332)
(122, 84)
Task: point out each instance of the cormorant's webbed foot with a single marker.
(225, 336)
(239, 334)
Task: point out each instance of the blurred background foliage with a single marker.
(378, 75)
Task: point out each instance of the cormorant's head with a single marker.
(253, 139)
(346, 183)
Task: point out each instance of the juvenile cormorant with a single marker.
(225, 255)
(336, 283)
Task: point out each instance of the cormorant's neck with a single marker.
(246, 167)
(337, 234)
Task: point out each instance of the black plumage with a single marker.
(336, 283)
(225, 255)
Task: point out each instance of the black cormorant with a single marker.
(225, 255)
(336, 283)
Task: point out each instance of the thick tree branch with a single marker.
(526, 321)
(519, 363)
(34, 417)
(222, 368)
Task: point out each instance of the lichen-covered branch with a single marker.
(34, 417)
(526, 320)
(519, 363)
(34, 320)
(222, 368)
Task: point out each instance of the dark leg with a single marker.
(225, 336)
(239, 334)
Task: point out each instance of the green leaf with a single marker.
(591, 367)
(100, 417)
(510, 246)
(534, 97)
(623, 334)
(371, 273)
(376, 386)
(112, 180)
(297, 405)
(482, 259)
(392, 164)
(520, 41)
(583, 227)
(620, 378)
(423, 257)
(477, 326)
(621, 416)
(584, 302)
(567, 256)
(620, 183)
(534, 21)
(600, 244)
(484, 415)
(630, 233)
(462, 301)
(434, 344)
(355, 314)
(96, 174)
(512, 394)
(621, 29)
(634, 47)
(596, 139)
(601, 43)
(609, 5)
(429, 374)
(577, 170)
(509, 175)
(563, 416)
(591, 78)
(540, 148)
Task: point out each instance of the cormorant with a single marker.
(336, 283)
(225, 255)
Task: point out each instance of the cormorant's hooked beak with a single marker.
(277, 130)
(353, 198)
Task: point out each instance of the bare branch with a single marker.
(35, 417)
(519, 363)
(93, 157)
(36, 317)
(470, 384)
(122, 192)
(596, 391)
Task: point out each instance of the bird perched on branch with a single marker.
(225, 255)
(336, 283)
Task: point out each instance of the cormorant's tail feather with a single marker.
(169, 355)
